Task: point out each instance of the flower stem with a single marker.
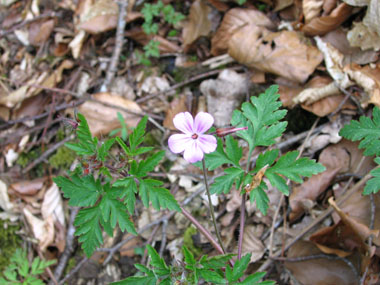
(242, 210)
(211, 206)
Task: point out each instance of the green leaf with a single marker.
(123, 146)
(373, 185)
(266, 158)
(87, 222)
(239, 120)
(115, 211)
(82, 191)
(217, 158)
(215, 262)
(289, 166)
(259, 196)
(160, 267)
(264, 115)
(366, 130)
(212, 276)
(149, 190)
(189, 258)
(137, 136)
(129, 187)
(149, 164)
(137, 280)
(224, 183)
(239, 267)
(87, 144)
(234, 152)
(152, 48)
(104, 149)
(255, 278)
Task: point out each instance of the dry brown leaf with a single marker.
(52, 205)
(361, 36)
(336, 160)
(40, 31)
(233, 21)
(252, 243)
(282, 4)
(284, 53)
(198, 23)
(324, 24)
(42, 230)
(28, 187)
(318, 271)
(224, 94)
(178, 105)
(103, 119)
(311, 9)
(5, 203)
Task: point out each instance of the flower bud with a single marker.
(221, 132)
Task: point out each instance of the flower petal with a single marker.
(184, 122)
(193, 153)
(179, 142)
(203, 121)
(207, 143)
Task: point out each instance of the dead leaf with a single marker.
(252, 243)
(178, 105)
(5, 204)
(318, 271)
(28, 187)
(198, 23)
(103, 119)
(285, 53)
(324, 24)
(52, 205)
(128, 249)
(223, 95)
(233, 21)
(311, 9)
(361, 36)
(40, 31)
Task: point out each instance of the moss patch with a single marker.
(9, 242)
(63, 158)
(188, 241)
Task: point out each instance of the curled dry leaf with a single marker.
(42, 230)
(311, 9)
(324, 24)
(224, 95)
(233, 21)
(198, 23)
(319, 271)
(40, 31)
(52, 205)
(102, 118)
(284, 53)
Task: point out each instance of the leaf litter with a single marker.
(323, 54)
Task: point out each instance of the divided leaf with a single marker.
(366, 130)
(224, 183)
(232, 155)
(259, 195)
(149, 190)
(373, 185)
(128, 193)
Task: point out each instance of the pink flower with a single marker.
(193, 142)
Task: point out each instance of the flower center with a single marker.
(194, 136)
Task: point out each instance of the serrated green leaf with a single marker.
(137, 136)
(266, 158)
(215, 262)
(104, 149)
(123, 146)
(259, 196)
(239, 120)
(373, 184)
(137, 280)
(160, 267)
(217, 158)
(239, 267)
(212, 276)
(129, 192)
(189, 258)
(254, 279)
(224, 183)
(233, 151)
(289, 166)
(366, 130)
(82, 191)
(87, 222)
(149, 190)
(149, 164)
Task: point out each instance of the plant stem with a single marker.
(211, 206)
(242, 210)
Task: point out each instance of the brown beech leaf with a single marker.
(198, 23)
(234, 20)
(336, 160)
(324, 24)
(319, 271)
(40, 31)
(283, 53)
(252, 243)
(311, 9)
(178, 105)
(102, 118)
(362, 36)
(28, 187)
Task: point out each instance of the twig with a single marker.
(47, 153)
(164, 236)
(121, 22)
(74, 270)
(211, 206)
(68, 247)
(357, 103)
(184, 83)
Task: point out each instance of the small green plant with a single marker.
(150, 12)
(367, 131)
(20, 271)
(107, 194)
(123, 130)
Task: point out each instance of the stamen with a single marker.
(194, 136)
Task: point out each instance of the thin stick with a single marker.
(123, 4)
(211, 206)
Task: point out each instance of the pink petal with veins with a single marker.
(203, 121)
(184, 122)
(179, 142)
(207, 143)
(193, 153)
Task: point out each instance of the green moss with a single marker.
(27, 157)
(70, 265)
(63, 158)
(9, 242)
(188, 241)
